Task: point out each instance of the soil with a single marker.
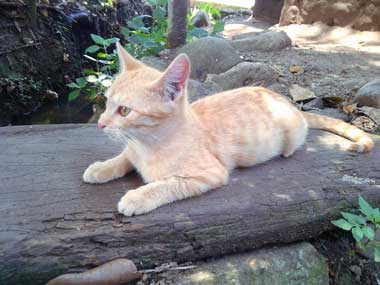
(346, 265)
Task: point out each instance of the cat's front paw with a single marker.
(134, 203)
(97, 172)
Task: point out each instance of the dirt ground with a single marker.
(337, 61)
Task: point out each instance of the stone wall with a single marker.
(359, 14)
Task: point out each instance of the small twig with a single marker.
(159, 270)
(19, 47)
(337, 273)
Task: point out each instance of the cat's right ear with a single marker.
(126, 61)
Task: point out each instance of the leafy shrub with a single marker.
(96, 81)
(141, 41)
(363, 226)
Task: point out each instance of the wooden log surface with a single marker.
(52, 223)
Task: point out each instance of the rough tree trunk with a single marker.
(51, 222)
(32, 12)
(177, 22)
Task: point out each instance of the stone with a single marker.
(210, 55)
(242, 74)
(196, 90)
(201, 19)
(155, 62)
(360, 15)
(369, 94)
(263, 41)
(268, 9)
(353, 84)
(294, 264)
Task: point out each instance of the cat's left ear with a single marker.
(174, 80)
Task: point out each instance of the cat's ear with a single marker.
(175, 77)
(127, 62)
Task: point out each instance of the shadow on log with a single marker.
(52, 223)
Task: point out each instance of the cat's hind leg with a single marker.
(293, 138)
(153, 195)
(104, 171)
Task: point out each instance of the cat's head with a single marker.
(142, 98)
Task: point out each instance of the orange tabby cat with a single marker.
(183, 150)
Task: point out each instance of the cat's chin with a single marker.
(116, 134)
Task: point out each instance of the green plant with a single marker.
(214, 15)
(96, 81)
(143, 41)
(363, 226)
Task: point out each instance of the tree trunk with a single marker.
(32, 12)
(52, 223)
(177, 23)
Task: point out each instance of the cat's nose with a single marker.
(101, 126)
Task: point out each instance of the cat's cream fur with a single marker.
(183, 150)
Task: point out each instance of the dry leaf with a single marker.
(364, 123)
(296, 69)
(367, 119)
(350, 109)
(116, 272)
(66, 57)
(299, 93)
(332, 101)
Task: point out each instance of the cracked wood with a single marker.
(52, 223)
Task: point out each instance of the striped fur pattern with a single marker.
(183, 150)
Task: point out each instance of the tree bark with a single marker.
(32, 12)
(177, 23)
(53, 223)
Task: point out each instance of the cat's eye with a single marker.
(123, 111)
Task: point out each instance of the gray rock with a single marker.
(210, 55)
(201, 19)
(155, 62)
(196, 90)
(369, 94)
(294, 264)
(352, 84)
(264, 41)
(242, 74)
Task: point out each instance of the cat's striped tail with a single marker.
(361, 142)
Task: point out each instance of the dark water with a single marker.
(56, 114)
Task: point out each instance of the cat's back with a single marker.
(241, 100)
(247, 126)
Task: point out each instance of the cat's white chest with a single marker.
(148, 164)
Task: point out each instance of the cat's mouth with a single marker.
(116, 134)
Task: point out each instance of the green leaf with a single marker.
(369, 233)
(376, 214)
(82, 82)
(354, 219)
(98, 40)
(198, 33)
(73, 85)
(218, 27)
(92, 49)
(343, 224)
(376, 253)
(107, 83)
(111, 41)
(357, 233)
(91, 78)
(159, 13)
(102, 55)
(365, 208)
(73, 95)
(125, 32)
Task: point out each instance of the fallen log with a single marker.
(53, 223)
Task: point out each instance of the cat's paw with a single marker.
(135, 203)
(97, 172)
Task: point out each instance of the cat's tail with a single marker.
(361, 142)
